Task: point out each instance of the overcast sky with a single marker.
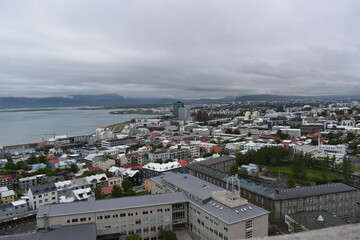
(179, 48)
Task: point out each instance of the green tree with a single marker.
(291, 183)
(126, 185)
(116, 192)
(87, 174)
(74, 168)
(41, 159)
(243, 171)
(133, 236)
(234, 169)
(32, 159)
(346, 169)
(324, 167)
(20, 165)
(166, 235)
(98, 192)
(10, 166)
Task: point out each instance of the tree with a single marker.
(98, 192)
(42, 159)
(166, 235)
(243, 171)
(290, 183)
(74, 168)
(133, 236)
(20, 165)
(10, 166)
(346, 169)
(126, 185)
(87, 174)
(116, 192)
(32, 159)
(234, 169)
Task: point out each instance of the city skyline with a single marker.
(179, 49)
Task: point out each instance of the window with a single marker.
(249, 234)
(82, 219)
(249, 224)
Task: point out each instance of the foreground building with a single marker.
(338, 199)
(208, 210)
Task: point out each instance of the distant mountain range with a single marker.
(117, 100)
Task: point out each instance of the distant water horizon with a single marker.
(22, 127)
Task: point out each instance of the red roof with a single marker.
(129, 165)
(54, 161)
(51, 157)
(20, 170)
(183, 163)
(107, 190)
(6, 176)
(95, 170)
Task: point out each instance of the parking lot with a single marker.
(27, 226)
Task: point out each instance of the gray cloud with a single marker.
(177, 48)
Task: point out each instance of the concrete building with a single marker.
(211, 215)
(41, 195)
(338, 199)
(170, 154)
(103, 163)
(13, 208)
(222, 163)
(155, 169)
(194, 149)
(25, 183)
(215, 212)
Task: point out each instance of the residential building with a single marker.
(40, 195)
(170, 154)
(222, 163)
(130, 158)
(25, 183)
(6, 181)
(7, 196)
(155, 169)
(103, 163)
(13, 208)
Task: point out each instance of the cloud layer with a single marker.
(179, 48)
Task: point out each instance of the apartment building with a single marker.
(103, 163)
(13, 208)
(6, 181)
(25, 183)
(41, 195)
(170, 154)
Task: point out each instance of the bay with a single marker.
(20, 127)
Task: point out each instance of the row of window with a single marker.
(160, 210)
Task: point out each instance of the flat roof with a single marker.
(111, 204)
(188, 183)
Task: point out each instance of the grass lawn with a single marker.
(313, 175)
(117, 127)
(355, 169)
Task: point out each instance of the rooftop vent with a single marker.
(237, 211)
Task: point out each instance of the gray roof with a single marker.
(231, 215)
(111, 204)
(272, 193)
(212, 161)
(256, 188)
(43, 188)
(82, 231)
(208, 171)
(313, 190)
(310, 219)
(190, 184)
